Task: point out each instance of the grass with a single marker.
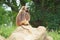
(55, 35)
(6, 31)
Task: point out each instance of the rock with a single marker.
(48, 38)
(2, 38)
(29, 33)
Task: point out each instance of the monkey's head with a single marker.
(25, 8)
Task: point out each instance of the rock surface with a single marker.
(29, 33)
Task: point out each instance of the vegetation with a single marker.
(55, 35)
(6, 31)
(43, 12)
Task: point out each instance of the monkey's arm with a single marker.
(27, 16)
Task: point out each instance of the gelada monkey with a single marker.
(23, 16)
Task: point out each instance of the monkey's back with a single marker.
(22, 18)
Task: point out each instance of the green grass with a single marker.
(6, 31)
(55, 35)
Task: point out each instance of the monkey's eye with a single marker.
(26, 10)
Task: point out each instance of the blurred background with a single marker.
(43, 13)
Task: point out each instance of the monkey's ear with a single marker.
(23, 7)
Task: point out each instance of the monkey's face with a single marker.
(25, 9)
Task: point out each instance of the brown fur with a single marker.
(23, 16)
